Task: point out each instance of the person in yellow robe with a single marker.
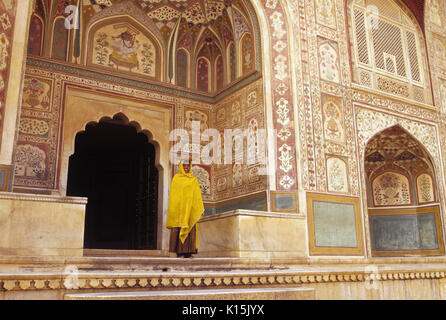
(185, 209)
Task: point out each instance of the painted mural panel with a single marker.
(36, 94)
(325, 13)
(337, 175)
(191, 115)
(236, 113)
(333, 118)
(391, 189)
(202, 173)
(252, 143)
(35, 155)
(425, 188)
(328, 60)
(35, 37)
(60, 40)
(237, 175)
(122, 47)
(31, 161)
(434, 10)
(443, 97)
(247, 53)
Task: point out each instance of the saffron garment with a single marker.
(185, 207)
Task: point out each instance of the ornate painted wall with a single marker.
(7, 18)
(38, 149)
(221, 27)
(36, 153)
(243, 110)
(330, 84)
(340, 106)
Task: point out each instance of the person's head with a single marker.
(186, 167)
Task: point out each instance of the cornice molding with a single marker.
(139, 82)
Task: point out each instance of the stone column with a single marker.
(14, 38)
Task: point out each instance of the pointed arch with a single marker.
(59, 41)
(36, 35)
(182, 67)
(231, 62)
(219, 73)
(246, 53)
(203, 74)
(403, 209)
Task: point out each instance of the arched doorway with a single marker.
(114, 167)
(403, 201)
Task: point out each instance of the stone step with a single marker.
(293, 293)
(126, 253)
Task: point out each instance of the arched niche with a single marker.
(60, 39)
(182, 68)
(150, 118)
(246, 55)
(401, 224)
(203, 74)
(115, 165)
(123, 44)
(219, 73)
(36, 35)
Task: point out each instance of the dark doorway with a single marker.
(114, 166)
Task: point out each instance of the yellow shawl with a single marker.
(185, 203)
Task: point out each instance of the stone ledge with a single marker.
(298, 293)
(42, 197)
(189, 280)
(243, 212)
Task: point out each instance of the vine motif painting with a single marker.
(425, 188)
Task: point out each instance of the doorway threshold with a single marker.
(126, 253)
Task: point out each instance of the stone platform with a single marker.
(148, 277)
